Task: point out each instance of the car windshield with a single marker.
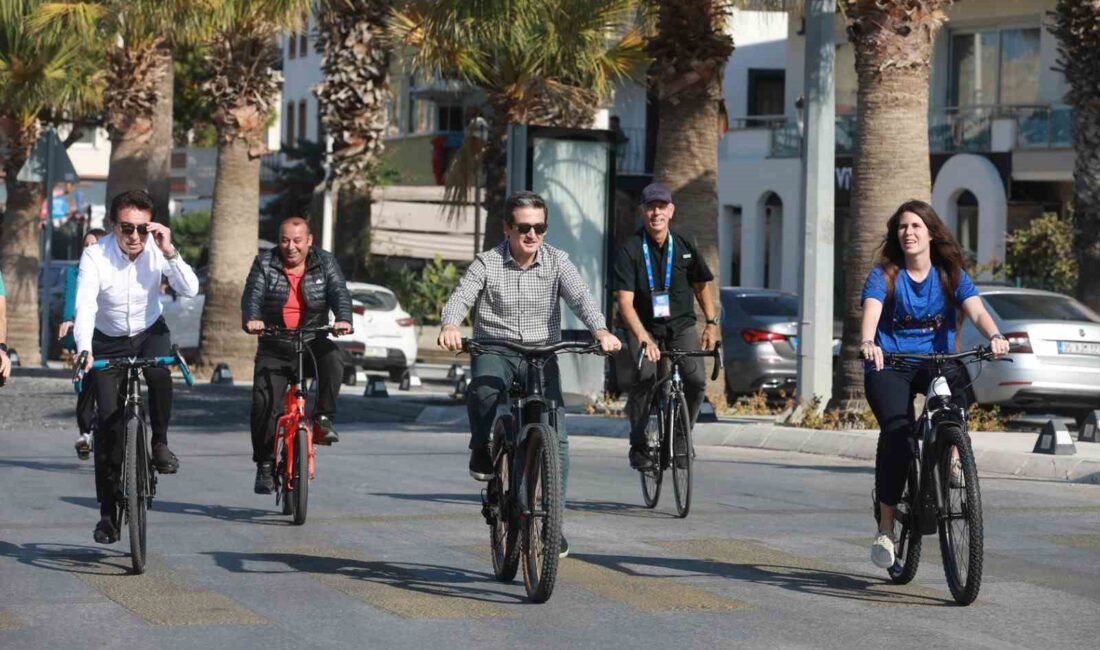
(1024, 306)
(375, 300)
(769, 305)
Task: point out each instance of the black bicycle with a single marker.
(523, 502)
(139, 481)
(941, 491)
(668, 438)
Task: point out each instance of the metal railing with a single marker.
(1044, 127)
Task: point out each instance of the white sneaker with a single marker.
(957, 480)
(83, 445)
(882, 551)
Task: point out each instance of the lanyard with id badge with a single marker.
(662, 307)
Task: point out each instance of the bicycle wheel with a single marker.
(504, 531)
(282, 483)
(651, 478)
(135, 477)
(300, 476)
(960, 525)
(542, 532)
(908, 546)
(682, 452)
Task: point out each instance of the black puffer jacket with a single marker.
(323, 289)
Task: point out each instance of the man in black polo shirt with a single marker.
(658, 274)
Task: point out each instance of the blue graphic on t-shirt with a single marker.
(917, 318)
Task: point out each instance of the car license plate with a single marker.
(1078, 347)
(375, 353)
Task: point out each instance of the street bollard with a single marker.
(1054, 439)
(222, 375)
(1090, 427)
(707, 412)
(461, 384)
(455, 371)
(376, 386)
(409, 378)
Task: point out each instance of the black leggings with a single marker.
(890, 393)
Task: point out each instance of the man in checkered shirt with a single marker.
(515, 291)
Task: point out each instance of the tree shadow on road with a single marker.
(463, 498)
(271, 517)
(618, 509)
(429, 579)
(69, 558)
(801, 576)
(64, 467)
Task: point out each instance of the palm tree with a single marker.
(690, 49)
(51, 74)
(1077, 26)
(893, 50)
(138, 36)
(543, 62)
(243, 87)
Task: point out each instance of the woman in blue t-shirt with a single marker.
(910, 304)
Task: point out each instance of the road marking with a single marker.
(758, 563)
(1082, 541)
(414, 591)
(163, 597)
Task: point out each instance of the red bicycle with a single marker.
(294, 431)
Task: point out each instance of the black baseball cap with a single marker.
(656, 192)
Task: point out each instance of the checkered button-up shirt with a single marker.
(521, 304)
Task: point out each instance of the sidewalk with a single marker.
(996, 452)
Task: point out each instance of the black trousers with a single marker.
(110, 396)
(693, 372)
(890, 393)
(276, 364)
(85, 404)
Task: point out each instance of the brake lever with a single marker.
(641, 355)
(717, 362)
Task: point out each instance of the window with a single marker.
(290, 124)
(302, 120)
(375, 300)
(766, 92)
(303, 40)
(292, 45)
(449, 118)
(995, 67)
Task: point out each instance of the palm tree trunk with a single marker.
(891, 160)
(19, 256)
(234, 240)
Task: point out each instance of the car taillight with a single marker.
(1018, 342)
(359, 309)
(406, 322)
(760, 336)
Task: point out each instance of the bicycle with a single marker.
(934, 501)
(523, 502)
(675, 449)
(294, 431)
(139, 482)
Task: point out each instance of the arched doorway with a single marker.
(773, 241)
(966, 225)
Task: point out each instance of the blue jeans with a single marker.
(493, 375)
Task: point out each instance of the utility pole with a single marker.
(815, 314)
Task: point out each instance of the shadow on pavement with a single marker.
(803, 579)
(70, 558)
(832, 469)
(431, 579)
(436, 497)
(619, 509)
(271, 517)
(64, 467)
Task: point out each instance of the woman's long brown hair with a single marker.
(947, 255)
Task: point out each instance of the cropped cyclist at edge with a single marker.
(515, 290)
(658, 276)
(910, 304)
(118, 314)
(293, 285)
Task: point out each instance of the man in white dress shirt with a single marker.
(118, 314)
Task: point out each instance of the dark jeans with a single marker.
(276, 364)
(890, 393)
(85, 404)
(110, 395)
(493, 375)
(693, 372)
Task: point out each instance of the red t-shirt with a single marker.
(295, 304)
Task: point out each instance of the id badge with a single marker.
(662, 308)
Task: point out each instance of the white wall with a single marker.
(300, 74)
(760, 41)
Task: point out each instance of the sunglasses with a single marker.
(524, 228)
(129, 228)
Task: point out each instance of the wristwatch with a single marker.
(714, 321)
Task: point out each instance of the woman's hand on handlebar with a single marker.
(871, 352)
(608, 342)
(450, 338)
(998, 346)
(254, 326)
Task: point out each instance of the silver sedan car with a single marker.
(1054, 343)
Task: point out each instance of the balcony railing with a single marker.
(1044, 127)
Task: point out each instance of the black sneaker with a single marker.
(640, 458)
(105, 532)
(265, 478)
(563, 550)
(164, 460)
(481, 464)
(323, 432)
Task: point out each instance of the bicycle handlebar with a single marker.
(678, 354)
(580, 347)
(979, 353)
(175, 359)
(273, 330)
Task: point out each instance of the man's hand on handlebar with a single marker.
(254, 326)
(608, 342)
(341, 327)
(450, 338)
(650, 348)
(88, 360)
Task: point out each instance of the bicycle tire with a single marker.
(542, 529)
(908, 546)
(135, 472)
(653, 476)
(961, 545)
(680, 430)
(300, 475)
(504, 533)
(282, 482)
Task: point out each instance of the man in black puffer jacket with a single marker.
(292, 285)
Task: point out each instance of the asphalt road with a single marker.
(395, 554)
